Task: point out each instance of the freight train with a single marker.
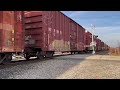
(41, 34)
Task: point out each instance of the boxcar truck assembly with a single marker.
(11, 34)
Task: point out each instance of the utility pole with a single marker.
(93, 42)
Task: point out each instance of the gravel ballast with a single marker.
(64, 67)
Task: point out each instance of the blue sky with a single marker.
(107, 24)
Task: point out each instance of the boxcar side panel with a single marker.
(73, 35)
(59, 33)
(48, 30)
(32, 13)
(1, 21)
(66, 34)
(8, 31)
(33, 29)
(11, 33)
(80, 38)
(19, 31)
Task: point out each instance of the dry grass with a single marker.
(114, 51)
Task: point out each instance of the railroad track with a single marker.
(20, 61)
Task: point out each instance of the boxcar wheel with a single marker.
(51, 55)
(71, 53)
(39, 56)
(8, 59)
(27, 57)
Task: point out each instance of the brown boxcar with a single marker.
(105, 46)
(98, 44)
(102, 45)
(51, 31)
(73, 36)
(11, 34)
(88, 40)
(77, 37)
(80, 38)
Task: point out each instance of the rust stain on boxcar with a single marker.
(10, 29)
